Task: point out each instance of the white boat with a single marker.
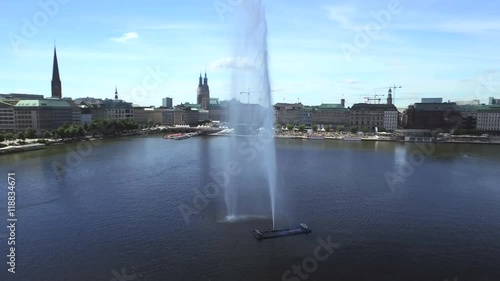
(183, 137)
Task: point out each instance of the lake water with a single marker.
(116, 214)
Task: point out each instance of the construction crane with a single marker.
(368, 99)
(248, 94)
(378, 99)
(256, 92)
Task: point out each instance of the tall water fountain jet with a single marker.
(253, 191)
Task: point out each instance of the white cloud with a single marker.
(233, 63)
(126, 37)
(343, 15)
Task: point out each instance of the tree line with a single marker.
(96, 127)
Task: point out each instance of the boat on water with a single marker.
(273, 233)
(183, 137)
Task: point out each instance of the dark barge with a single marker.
(273, 233)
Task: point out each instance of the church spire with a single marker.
(205, 81)
(116, 92)
(56, 80)
(199, 82)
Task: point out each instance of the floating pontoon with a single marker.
(272, 233)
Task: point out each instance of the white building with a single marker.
(472, 102)
(119, 113)
(305, 116)
(488, 118)
(391, 120)
(118, 109)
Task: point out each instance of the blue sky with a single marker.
(154, 49)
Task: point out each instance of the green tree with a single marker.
(315, 128)
(354, 130)
(92, 126)
(30, 133)
(81, 131)
(67, 132)
(302, 128)
(365, 130)
(9, 136)
(339, 128)
(46, 134)
(61, 132)
(289, 127)
(86, 126)
(327, 128)
(20, 136)
(278, 126)
(2, 138)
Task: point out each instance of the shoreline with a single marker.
(350, 138)
(382, 139)
(36, 145)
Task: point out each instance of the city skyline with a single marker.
(447, 54)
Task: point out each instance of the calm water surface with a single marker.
(119, 208)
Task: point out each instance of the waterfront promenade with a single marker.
(348, 136)
(14, 146)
